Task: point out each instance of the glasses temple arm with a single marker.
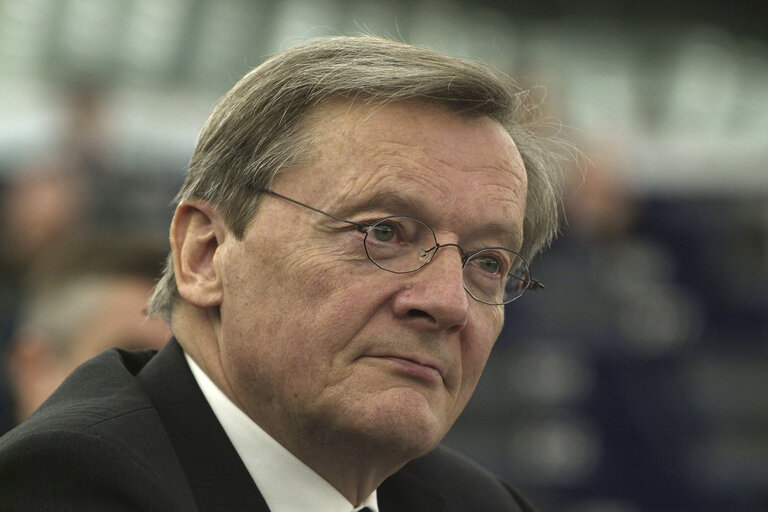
(360, 226)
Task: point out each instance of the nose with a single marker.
(434, 297)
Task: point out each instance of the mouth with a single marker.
(413, 368)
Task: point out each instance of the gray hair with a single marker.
(257, 129)
(56, 315)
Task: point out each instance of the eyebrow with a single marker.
(509, 238)
(392, 201)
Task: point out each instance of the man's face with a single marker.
(317, 343)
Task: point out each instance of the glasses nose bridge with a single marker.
(432, 252)
(462, 254)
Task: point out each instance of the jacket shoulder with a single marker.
(96, 444)
(70, 471)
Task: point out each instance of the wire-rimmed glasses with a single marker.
(402, 244)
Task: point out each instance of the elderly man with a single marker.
(356, 215)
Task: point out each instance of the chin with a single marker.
(409, 426)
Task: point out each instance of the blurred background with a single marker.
(638, 379)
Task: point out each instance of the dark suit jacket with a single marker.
(132, 431)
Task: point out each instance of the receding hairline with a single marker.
(318, 126)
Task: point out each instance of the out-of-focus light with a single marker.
(154, 34)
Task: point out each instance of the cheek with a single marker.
(281, 293)
(312, 264)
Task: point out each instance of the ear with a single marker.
(197, 233)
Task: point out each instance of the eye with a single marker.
(492, 263)
(398, 230)
(488, 263)
(383, 232)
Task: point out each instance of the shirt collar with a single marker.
(286, 483)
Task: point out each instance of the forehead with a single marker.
(417, 158)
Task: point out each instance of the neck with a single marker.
(354, 468)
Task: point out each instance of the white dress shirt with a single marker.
(287, 484)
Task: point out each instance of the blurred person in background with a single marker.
(89, 296)
(85, 126)
(599, 205)
(50, 197)
(43, 203)
(356, 215)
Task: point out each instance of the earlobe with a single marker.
(197, 234)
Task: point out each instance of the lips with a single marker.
(414, 367)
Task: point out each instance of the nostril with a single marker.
(418, 313)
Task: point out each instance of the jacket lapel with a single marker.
(216, 475)
(403, 492)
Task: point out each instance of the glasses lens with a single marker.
(496, 275)
(400, 244)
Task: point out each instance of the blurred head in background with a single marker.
(88, 297)
(600, 206)
(43, 204)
